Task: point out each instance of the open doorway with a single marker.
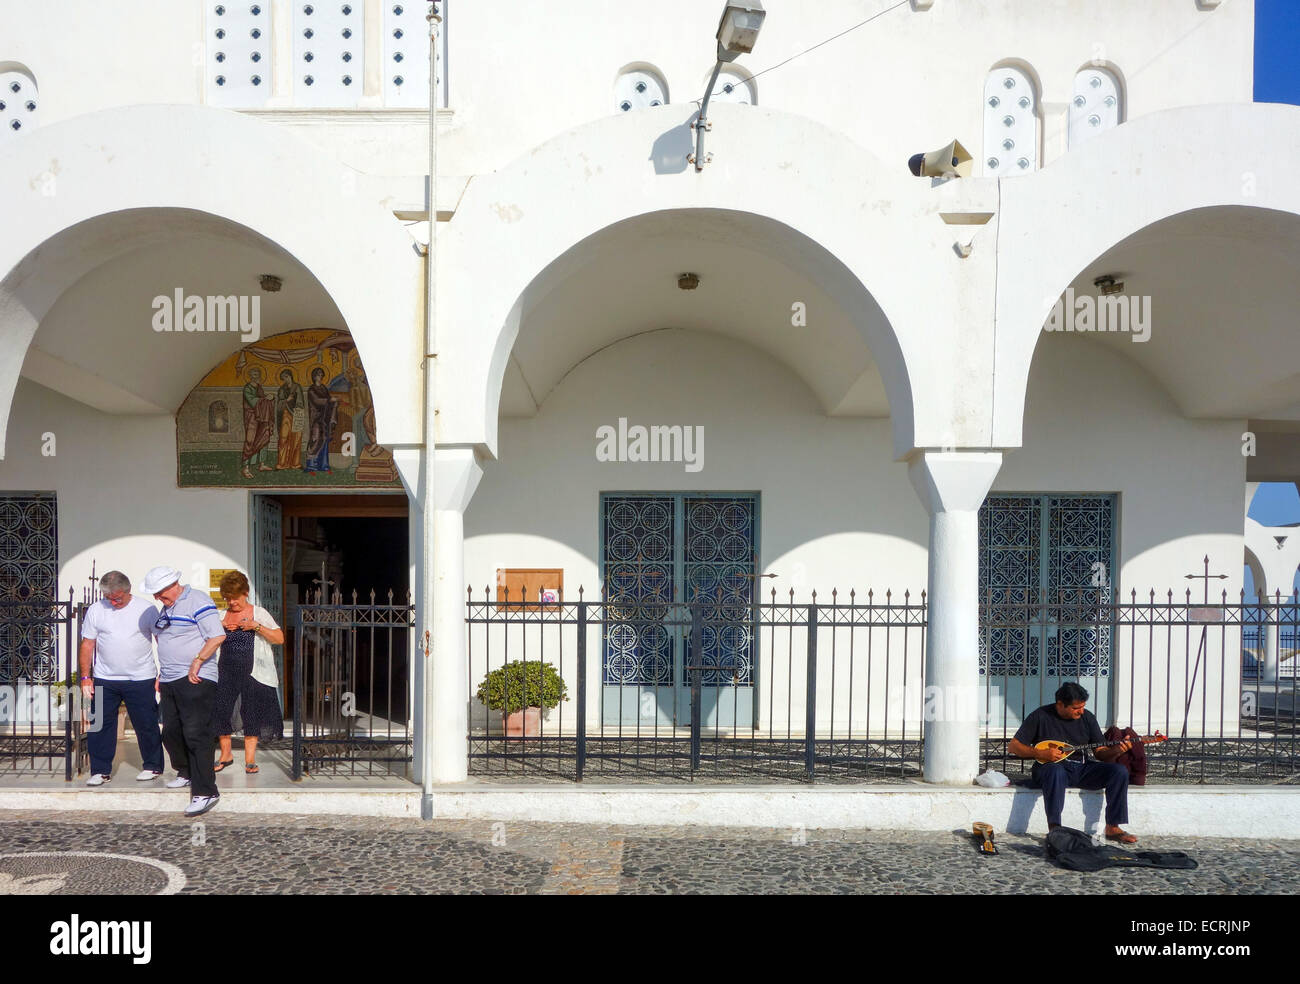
(310, 546)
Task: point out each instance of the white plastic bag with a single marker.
(992, 779)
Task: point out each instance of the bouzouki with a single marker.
(1067, 749)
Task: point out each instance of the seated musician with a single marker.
(1068, 721)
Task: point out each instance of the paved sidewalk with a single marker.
(242, 854)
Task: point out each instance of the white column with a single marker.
(410, 466)
(439, 655)
(457, 471)
(1268, 671)
(952, 485)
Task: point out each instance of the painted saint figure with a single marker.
(291, 418)
(363, 411)
(322, 413)
(259, 411)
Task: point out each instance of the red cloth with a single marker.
(1135, 759)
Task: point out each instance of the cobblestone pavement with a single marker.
(242, 853)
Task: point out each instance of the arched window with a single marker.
(238, 46)
(639, 88)
(19, 104)
(1094, 105)
(1010, 123)
(328, 49)
(733, 86)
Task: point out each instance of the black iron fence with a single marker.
(40, 719)
(1194, 672)
(833, 690)
(351, 687)
(827, 689)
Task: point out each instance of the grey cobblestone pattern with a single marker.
(72, 875)
(250, 854)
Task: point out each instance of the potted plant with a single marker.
(521, 691)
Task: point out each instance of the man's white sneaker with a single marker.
(98, 780)
(147, 775)
(180, 782)
(200, 804)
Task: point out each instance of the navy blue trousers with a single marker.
(1055, 778)
(142, 708)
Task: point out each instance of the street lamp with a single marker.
(737, 32)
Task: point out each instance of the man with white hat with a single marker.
(189, 633)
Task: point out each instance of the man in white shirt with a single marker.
(117, 641)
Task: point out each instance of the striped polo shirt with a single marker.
(181, 631)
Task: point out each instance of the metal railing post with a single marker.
(697, 641)
(298, 672)
(810, 720)
(74, 686)
(582, 688)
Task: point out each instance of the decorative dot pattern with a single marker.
(237, 42)
(19, 103)
(1010, 123)
(328, 49)
(406, 54)
(1095, 105)
(639, 88)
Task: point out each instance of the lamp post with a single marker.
(423, 647)
(737, 32)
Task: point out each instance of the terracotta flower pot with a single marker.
(524, 723)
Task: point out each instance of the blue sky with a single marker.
(1277, 44)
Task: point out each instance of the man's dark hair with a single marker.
(1071, 693)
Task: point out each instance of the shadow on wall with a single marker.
(1096, 421)
(830, 494)
(672, 147)
(1025, 800)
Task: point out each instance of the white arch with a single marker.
(116, 167)
(877, 224)
(1275, 564)
(1056, 222)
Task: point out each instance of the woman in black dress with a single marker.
(246, 657)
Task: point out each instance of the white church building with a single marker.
(1019, 394)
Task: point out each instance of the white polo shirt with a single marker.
(123, 639)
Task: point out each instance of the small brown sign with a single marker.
(529, 588)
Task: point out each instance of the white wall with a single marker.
(836, 512)
(118, 504)
(519, 73)
(1096, 422)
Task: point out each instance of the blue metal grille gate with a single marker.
(660, 551)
